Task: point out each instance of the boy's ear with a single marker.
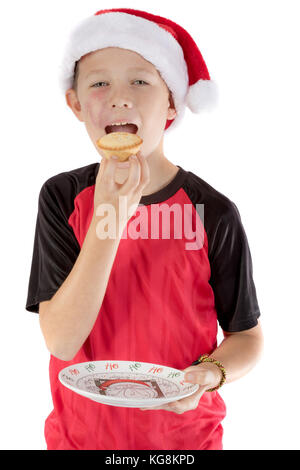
(74, 103)
(171, 113)
(171, 110)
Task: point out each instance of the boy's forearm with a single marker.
(73, 310)
(239, 352)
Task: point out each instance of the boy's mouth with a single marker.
(131, 128)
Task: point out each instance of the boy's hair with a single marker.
(75, 77)
(75, 83)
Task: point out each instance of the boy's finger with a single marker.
(133, 176)
(125, 164)
(109, 174)
(101, 167)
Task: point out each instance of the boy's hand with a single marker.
(207, 375)
(108, 191)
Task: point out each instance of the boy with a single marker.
(152, 299)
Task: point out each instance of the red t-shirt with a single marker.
(164, 300)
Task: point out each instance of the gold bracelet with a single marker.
(206, 358)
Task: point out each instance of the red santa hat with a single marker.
(165, 44)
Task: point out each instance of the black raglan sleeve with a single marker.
(55, 247)
(232, 274)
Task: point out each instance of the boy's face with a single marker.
(121, 94)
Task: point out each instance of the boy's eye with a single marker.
(98, 84)
(140, 81)
(106, 82)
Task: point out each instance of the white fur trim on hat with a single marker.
(134, 33)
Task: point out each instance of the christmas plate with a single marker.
(125, 383)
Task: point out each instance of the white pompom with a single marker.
(203, 95)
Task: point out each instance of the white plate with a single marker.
(126, 383)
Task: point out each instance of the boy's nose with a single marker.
(125, 104)
(121, 103)
(120, 100)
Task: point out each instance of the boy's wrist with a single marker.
(213, 375)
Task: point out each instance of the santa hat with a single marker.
(165, 44)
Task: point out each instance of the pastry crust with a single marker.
(120, 144)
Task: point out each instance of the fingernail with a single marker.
(123, 164)
(114, 157)
(190, 376)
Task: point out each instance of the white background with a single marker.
(248, 149)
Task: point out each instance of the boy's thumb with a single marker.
(190, 375)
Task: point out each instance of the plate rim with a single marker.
(88, 394)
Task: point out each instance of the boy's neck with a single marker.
(160, 176)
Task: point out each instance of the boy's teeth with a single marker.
(131, 128)
(120, 123)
